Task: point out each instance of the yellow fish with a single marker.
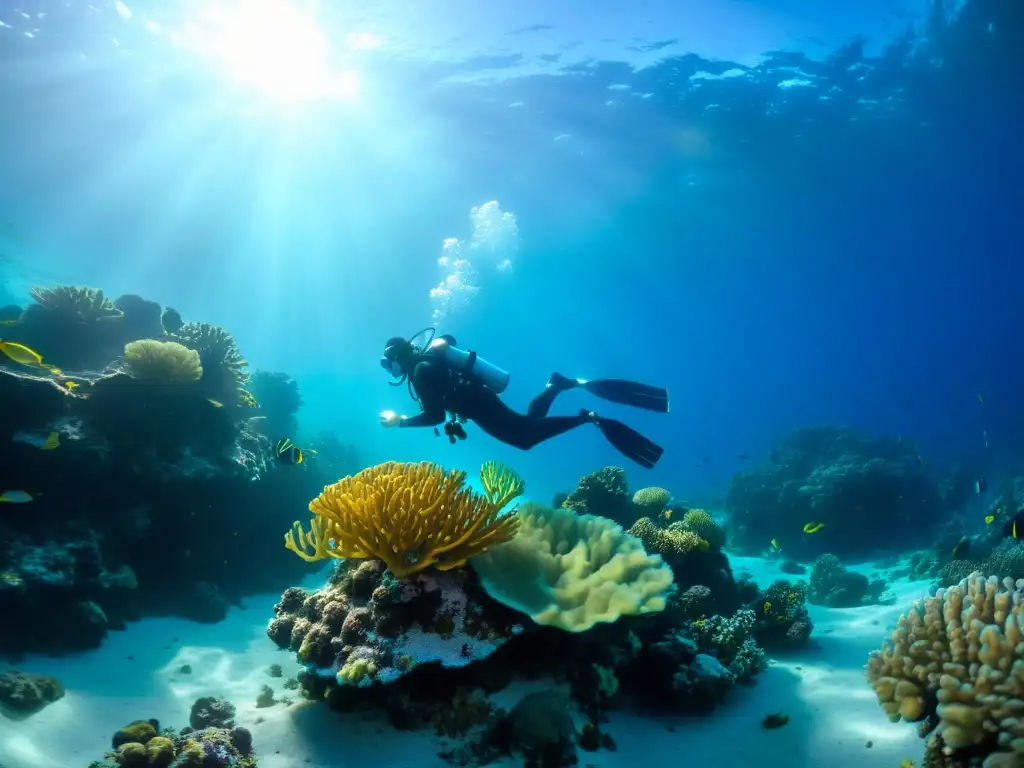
(767, 606)
(15, 497)
(775, 545)
(666, 515)
(19, 353)
(214, 403)
(906, 762)
(813, 527)
(11, 322)
(71, 384)
(703, 546)
(959, 544)
(48, 443)
(989, 519)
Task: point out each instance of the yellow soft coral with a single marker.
(958, 657)
(411, 516)
(165, 361)
(700, 522)
(573, 571)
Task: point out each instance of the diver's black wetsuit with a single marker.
(441, 390)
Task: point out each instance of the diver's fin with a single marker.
(629, 442)
(629, 393)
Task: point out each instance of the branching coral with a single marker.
(674, 541)
(85, 304)
(224, 368)
(700, 522)
(731, 640)
(162, 361)
(652, 501)
(574, 571)
(603, 493)
(956, 661)
(411, 516)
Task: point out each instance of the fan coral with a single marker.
(652, 501)
(411, 516)
(223, 365)
(700, 522)
(85, 304)
(162, 361)
(955, 662)
(574, 571)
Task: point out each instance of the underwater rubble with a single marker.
(138, 470)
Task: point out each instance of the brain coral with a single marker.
(956, 661)
(573, 571)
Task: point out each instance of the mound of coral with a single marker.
(145, 493)
(866, 492)
(142, 744)
(955, 664)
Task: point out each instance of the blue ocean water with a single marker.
(786, 213)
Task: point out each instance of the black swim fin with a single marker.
(629, 442)
(629, 393)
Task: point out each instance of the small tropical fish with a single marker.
(981, 399)
(15, 497)
(215, 403)
(71, 384)
(1011, 526)
(980, 485)
(17, 321)
(906, 762)
(703, 546)
(666, 515)
(813, 527)
(775, 545)
(989, 519)
(289, 453)
(11, 578)
(48, 443)
(19, 353)
(962, 548)
(767, 606)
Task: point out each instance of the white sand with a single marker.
(136, 676)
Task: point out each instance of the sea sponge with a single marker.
(164, 361)
(573, 571)
(652, 501)
(411, 516)
(700, 522)
(85, 304)
(957, 660)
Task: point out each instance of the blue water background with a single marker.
(826, 234)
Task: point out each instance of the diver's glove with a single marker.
(390, 419)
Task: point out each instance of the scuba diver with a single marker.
(445, 379)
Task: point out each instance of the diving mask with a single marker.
(393, 367)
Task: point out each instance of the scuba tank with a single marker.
(470, 364)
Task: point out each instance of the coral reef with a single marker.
(782, 619)
(155, 498)
(853, 483)
(954, 664)
(411, 516)
(574, 571)
(22, 695)
(832, 585)
(368, 626)
(142, 744)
